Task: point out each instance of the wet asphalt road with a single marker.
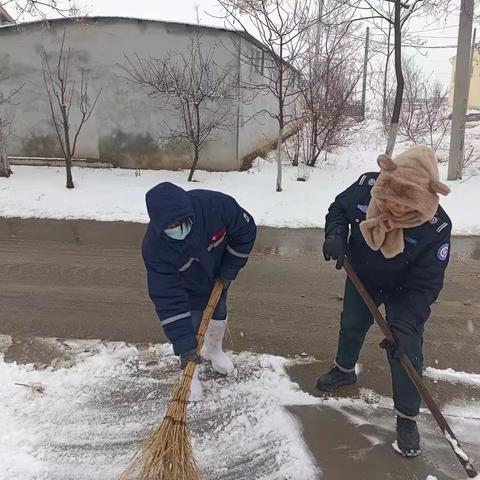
(81, 279)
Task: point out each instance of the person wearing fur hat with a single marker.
(397, 238)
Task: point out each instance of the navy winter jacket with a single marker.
(410, 282)
(180, 273)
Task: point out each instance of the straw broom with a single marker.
(167, 453)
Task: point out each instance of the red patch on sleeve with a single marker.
(219, 234)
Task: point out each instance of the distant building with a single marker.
(126, 122)
(474, 94)
(5, 18)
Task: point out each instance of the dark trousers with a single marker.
(220, 312)
(355, 321)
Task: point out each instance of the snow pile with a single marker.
(453, 376)
(118, 195)
(85, 421)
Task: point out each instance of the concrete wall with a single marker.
(474, 93)
(127, 123)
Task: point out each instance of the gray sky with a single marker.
(173, 10)
(435, 61)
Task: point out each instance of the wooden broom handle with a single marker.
(208, 313)
(412, 373)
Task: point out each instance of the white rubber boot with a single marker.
(213, 347)
(196, 390)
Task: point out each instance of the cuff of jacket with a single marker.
(228, 272)
(185, 344)
(340, 230)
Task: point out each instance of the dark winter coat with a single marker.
(180, 274)
(411, 281)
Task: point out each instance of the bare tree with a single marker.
(283, 27)
(398, 18)
(21, 10)
(5, 170)
(386, 48)
(62, 96)
(5, 126)
(387, 91)
(472, 157)
(17, 10)
(331, 75)
(195, 89)
(424, 116)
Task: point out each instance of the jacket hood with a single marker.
(167, 204)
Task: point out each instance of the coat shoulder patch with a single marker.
(442, 227)
(368, 179)
(442, 252)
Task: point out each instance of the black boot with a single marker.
(408, 438)
(334, 379)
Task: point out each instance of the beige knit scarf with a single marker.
(382, 231)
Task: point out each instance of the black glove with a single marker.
(393, 350)
(402, 336)
(335, 248)
(190, 356)
(226, 283)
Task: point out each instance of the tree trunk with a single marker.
(296, 153)
(394, 125)
(279, 159)
(385, 80)
(194, 164)
(68, 166)
(5, 170)
(195, 141)
(68, 151)
(310, 161)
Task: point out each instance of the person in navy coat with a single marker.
(194, 238)
(396, 236)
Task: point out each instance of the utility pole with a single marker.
(365, 65)
(318, 39)
(460, 95)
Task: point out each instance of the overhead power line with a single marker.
(405, 45)
(438, 29)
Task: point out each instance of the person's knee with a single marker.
(353, 326)
(413, 348)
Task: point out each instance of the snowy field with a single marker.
(82, 416)
(118, 195)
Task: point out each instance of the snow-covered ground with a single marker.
(84, 418)
(118, 195)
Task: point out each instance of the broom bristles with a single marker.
(167, 453)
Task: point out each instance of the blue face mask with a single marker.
(181, 232)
